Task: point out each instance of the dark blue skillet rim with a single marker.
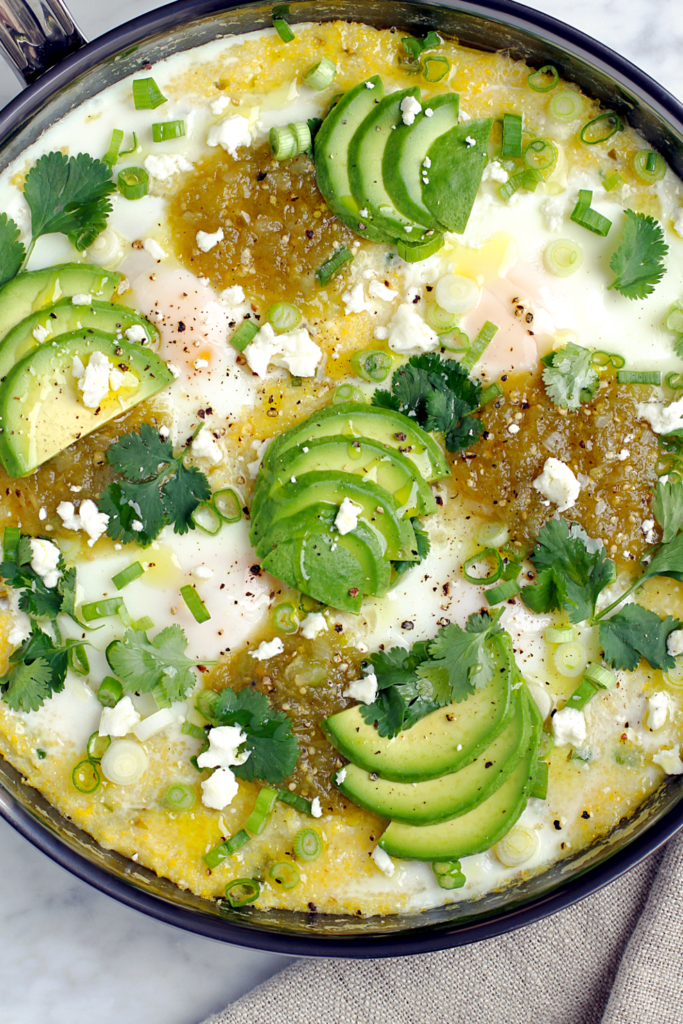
(427, 938)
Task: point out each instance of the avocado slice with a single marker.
(355, 420)
(455, 172)
(366, 155)
(477, 830)
(63, 317)
(332, 487)
(427, 803)
(332, 152)
(440, 743)
(403, 165)
(41, 412)
(36, 289)
(361, 456)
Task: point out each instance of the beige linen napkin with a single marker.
(614, 958)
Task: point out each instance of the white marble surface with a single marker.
(69, 954)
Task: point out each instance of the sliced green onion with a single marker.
(101, 609)
(532, 178)
(195, 603)
(600, 675)
(133, 148)
(245, 333)
(144, 623)
(414, 252)
(133, 182)
(78, 660)
(496, 595)
(372, 365)
(519, 845)
(283, 30)
(570, 659)
(639, 377)
(493, 535)
(96, 746)
(112, 154)
(284, 316)
(479, 345)
(220, 853)
(285, 618)
(435, 68)
(512, 567)
(290, 140)
(439, 319)
(449, 874)
(589, 218)
(566, 105)
(674, 677)
(241, 891)
(207, 519)
(124, 762)
(321, 74)
(127, 575)
(347, 393)
(629, 758)
(164, 131)
(539, 784)
(538, 80)
(489, 394)
(648, 166)
(41, 754)
(10, 542)
(595, 131)
(512, 185)
(563, 257)
(285, 874)
(560, 634)
(482, 556)
(601, 360)
(228, 505)
(545, 745)
(612, 180)
(582, 694)
(299, 803)
(196, 731)
(85, 777)
(206, 703)
(674, 380)
(455, 881)
(512, 136)
(110, 692)
(259, 817)
(540, 155)
(333, 265)
(308, 844)
(674, 318)
(146, 94)
(180, 796)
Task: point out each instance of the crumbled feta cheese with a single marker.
(230, 133)
(569, 727)
(674, 643)
(494, 171)
(234, 295)
(175, 370)
(364, 690)
(340, 776)
(206, 242)
(41, 334)
(470, 142)
(119, 720)
(164, 166)
(669, 760)
(42, 514)
(21, 627)
(409, 109)
(662, 418)
(678, 222)
(369, 85)
(154, 250)
(202, 572)
(268, 649)
(347, 516)
(381, 333)
(379, 290)
(200, 364)
(314, 623)
(94, 381)
(219, 105)
(648, 528)
(224, 743)
(429, 112)
(77, 367)
(558, 484)
(513, 428)
(81, 299)
(88, 518)
(293, 350)
(220, 789)
(44, 561)
(408, 332)
(383, 861)
(316, 809)
(553, 211)
(657, 709)
(137, 526)
(164, 433)
(205, 446)
(354, 300)
(136, 333)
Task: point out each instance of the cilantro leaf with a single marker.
(667, 508)
(667, 561)
(637, 632)
(274, 751)
(37, 648)
(569, 377)
(182, 494)
(146, 502)
(461, 658)
(121, 517)
(139, 455)
(143, 664)
(25, 687)
(12, 252)
(385, 400)
(547, 594)
(403, 698)
(387, 712)
(69, 195)
(637, 263)
(36, 599)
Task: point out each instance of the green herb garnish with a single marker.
(158, 665)
(637, 263)
(569, 377)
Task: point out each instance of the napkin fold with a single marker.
(614, 958)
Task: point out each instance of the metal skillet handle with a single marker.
(35, 34)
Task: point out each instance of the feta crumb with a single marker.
(381, 333)
(347, 516)
(219, 105)
(230, 133)
(569, 727)
(408, 332)
(88, 518)
(154, 250)
(494, 171)
(137, 526)
(42, 514)
(558, 484)
(200, 364)
(354, 300)
(662, 418)
(648, 528)
(674, 643)
(175, 370)
(206, 242)
(340, 776)
(379, 290)
(314, 623)
(220, 789)
(77, 367)
(94, 383)
(316, 809)
(81, 299)
(669, 760)
(164, 433)
(136, 333)
(205, 446)
(657, 709)
(364, 690)
(623, 455)
(513, 428)
(268, 649)
(294, 350)
(469, 141)
(553, 211)
(409, 109)
(234, 295)
(224, 743)
(119, 720)
(429, 112)
(41, 334)
(369, 85)
(202, 572)
(44, 561)
(164, 166)
(383, 861)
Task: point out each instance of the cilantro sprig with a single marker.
(569, 377)
(157, 666)
(37, 669)
(638, 262)
(12, 252)
(439, 395)
(156, 488)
